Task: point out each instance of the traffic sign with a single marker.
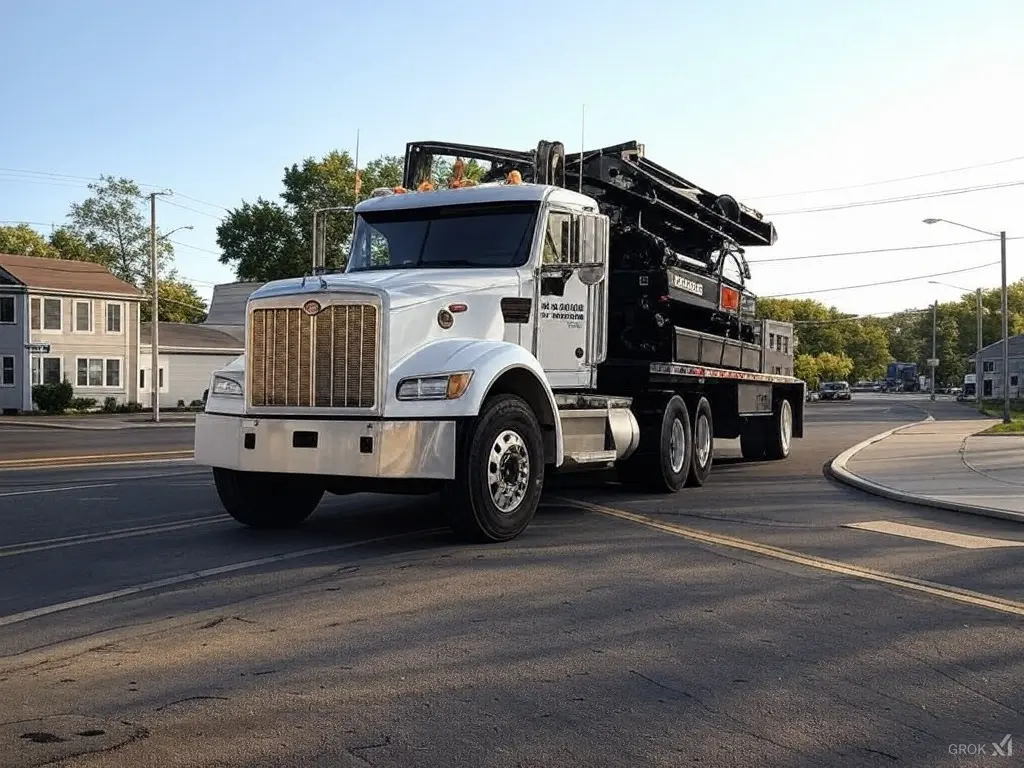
(933, 361)
(38, 348)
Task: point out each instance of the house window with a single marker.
(988, 366)
(7, 371)
(98, 372)
(6, 309)
(83, 317)
(160, 376)
(771, 341)
(52, 314)
(1013, 381)
(113, 318)
(986, 388)
(785, 344)
(46, 370)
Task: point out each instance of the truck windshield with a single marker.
(487, 235)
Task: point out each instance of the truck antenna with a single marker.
(583, 127)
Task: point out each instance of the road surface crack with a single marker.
(744, 728)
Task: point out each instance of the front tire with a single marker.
(499, 473)
(265, 500)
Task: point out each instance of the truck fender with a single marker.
(497, 366)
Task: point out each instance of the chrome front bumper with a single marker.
(387, 449)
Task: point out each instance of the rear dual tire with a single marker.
(676, 448)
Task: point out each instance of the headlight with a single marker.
(226, 387)
(443, 387)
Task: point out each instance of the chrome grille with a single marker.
(328, 360)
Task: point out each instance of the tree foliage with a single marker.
(111, 222)
(871, 343)
(179, 302)
(268, 240)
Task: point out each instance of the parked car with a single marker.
(836, 390)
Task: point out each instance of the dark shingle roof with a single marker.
(190, 336)
(65, 275)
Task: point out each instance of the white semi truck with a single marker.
(566, 312)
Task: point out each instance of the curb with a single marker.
(836, 469)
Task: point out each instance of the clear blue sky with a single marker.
(213, 99)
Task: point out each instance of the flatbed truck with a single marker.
(564, 313)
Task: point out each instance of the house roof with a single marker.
(192, 336)
(995, 350)
(227, 306)
(65, 275)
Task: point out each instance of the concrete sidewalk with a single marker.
(100, 422)
(943, 464)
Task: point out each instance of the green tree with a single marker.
(271, 241)
(832, 367)
(111, 221)
(806, 367)
(67, 245)
(179, 302)
(263, 242)
(22, 240)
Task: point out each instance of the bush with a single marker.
(83, 403)
(53, 398)
(110, 405)
(130, 407)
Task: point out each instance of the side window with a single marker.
(560, 244)
(731, 270)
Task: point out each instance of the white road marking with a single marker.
(184, 578)
(962, 540)
(55, 490)
(26, 547)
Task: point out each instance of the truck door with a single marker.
(571, 336)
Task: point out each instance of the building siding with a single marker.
(186, 375)
(86, 346)
(992, 374)
(12, 345)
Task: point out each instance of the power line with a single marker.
(901, 199)
(855, 318)
(881, 282)
(880, 250)
(888, 181)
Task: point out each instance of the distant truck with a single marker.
(902, 377)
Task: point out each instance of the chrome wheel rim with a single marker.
(508, 471)
(702, 446)
(787, 425)
(677, 446)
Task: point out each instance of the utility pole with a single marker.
(935, 318)
(1006, 334)
(978, 367)
(154, 326)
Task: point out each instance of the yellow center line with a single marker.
(956, 594)
(95, 456)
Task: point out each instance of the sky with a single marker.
(777, 103)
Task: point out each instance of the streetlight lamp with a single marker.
(1006, 313)
(977, 355)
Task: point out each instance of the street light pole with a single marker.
(1005, 308)
(154, 325)
(935, 318)
(1006, 334)
(977, 355)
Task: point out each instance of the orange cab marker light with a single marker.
(455, 308)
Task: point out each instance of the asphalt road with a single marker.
(18, 442)
(718, 626)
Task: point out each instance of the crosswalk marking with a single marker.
(962, 540)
